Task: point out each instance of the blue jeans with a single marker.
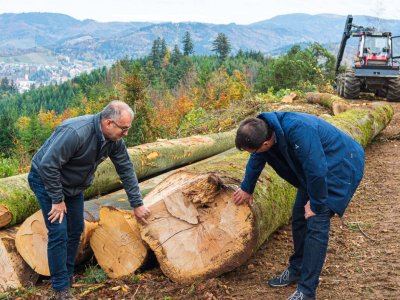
(63, 239)
(310, 238)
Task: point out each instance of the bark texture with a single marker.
(14, 272)
(17, 201)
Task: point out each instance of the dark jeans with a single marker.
(310, 238)
(63, 239)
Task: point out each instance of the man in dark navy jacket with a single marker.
(325, 165)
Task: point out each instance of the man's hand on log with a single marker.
(57, 212)
(142, 213)
(240, 196)
(308, 213)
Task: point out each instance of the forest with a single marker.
(172, 91)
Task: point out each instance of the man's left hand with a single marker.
(142, 213)
(308, 213)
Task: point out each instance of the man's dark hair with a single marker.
(252, 133)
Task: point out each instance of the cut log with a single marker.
(31, 238)
(195, 230)
(14, 272)
(335, 103)
(117, 244)
(17, 201)
(31, 242)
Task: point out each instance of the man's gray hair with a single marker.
(114, 110)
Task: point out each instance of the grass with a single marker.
(93, 274)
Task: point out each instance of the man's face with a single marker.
(116, 129)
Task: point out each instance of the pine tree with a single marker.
(176, 55)
(187, 44)
(221, 46)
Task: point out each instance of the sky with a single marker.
(209, 11)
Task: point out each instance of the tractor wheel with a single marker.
(393, 92)
(352, 84)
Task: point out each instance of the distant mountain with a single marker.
(93, 41)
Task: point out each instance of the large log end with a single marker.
(31, 242)
(195, 229)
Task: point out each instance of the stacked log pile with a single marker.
(195, 230)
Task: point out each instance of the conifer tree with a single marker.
(187, 44)
(221, 46)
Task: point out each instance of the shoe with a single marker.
(297, 295)
(284, 279)
(64, 295)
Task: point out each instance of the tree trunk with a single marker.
(31, 238)
(17, 201)
(195, 230)
(14, 272)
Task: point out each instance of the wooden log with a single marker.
(14, 272)
(31, 242)
(117, 244)
(195, 230)
(17, 201)
(335, 103)
(31, 238)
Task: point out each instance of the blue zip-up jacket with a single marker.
(313, 155)
(69, 158)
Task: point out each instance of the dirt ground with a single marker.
(363, 260)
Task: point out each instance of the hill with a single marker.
(89, 40)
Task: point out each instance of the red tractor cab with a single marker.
(373, 49)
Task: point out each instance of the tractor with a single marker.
(375, 68)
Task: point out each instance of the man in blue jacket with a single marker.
(64, 167)
(325, 165)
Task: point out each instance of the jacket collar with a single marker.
(97, 127)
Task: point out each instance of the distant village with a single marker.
(29, 75)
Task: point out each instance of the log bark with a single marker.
(31, 238)
(17, 201)
(14, 272)
(195, 230)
